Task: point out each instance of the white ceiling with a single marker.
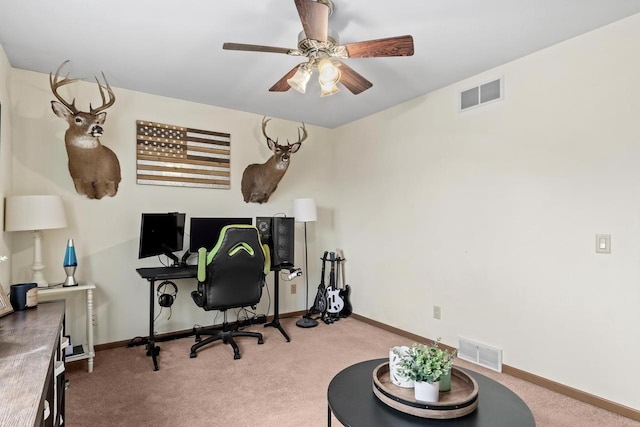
(174, 48)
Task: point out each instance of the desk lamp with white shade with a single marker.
(35, 213)
(304, 210)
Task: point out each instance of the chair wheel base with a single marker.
(193, 355)
(260, 341)
(236, 356)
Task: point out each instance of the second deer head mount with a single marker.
(259, 181)
(94, 168)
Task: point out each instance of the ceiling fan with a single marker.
(323, 52)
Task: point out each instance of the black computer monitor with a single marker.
(205, 231)
(161, 234)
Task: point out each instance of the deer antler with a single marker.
(56, 83)
(105, 104)
(264, 129)
(304, 134)
(300, 137)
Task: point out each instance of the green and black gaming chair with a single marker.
(232, 275)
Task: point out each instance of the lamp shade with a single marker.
(304, 210)
(300, 79)
(328, 90)
(329, 73)
(29, 213)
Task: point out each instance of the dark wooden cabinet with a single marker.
(32, 366)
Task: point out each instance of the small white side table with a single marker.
(59, 290)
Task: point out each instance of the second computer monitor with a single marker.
(161, 233)
(205, 231)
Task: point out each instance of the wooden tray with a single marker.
(460, 401)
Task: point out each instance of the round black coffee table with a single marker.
(353, 403)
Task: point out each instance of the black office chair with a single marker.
(230, 276)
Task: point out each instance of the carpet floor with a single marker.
(277, 384)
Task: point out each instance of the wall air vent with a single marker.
(480, 95)
(480, 354)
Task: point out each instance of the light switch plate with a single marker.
(603, 243)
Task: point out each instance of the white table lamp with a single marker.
(304, 210)
(35, 213)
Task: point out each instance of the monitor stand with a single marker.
(185, 257)
(174, 258)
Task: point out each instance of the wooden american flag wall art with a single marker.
(185, 157)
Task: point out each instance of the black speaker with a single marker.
(278, 233)
(282, 234)
(263, 224)
(166, 299)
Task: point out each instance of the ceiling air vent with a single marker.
(480, 354)
(479, 95)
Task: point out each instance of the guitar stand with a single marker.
(329, 318)
(276, 301)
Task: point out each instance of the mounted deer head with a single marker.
(259, 181)
(94, 168)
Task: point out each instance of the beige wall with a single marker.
(5, 163)
(106, 231)
(492, 213)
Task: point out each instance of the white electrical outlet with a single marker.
(437, 312)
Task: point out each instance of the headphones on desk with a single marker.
(166, 299)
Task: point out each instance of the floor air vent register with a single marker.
(480, 354)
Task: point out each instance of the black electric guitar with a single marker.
(320, 302)
(334, 302)
(344, 290)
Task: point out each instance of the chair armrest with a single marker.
(267, 259)
(202, 264)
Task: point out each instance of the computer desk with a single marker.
(153, 274)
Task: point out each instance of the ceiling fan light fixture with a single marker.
(326, 90)
(319, 43)
(300, 78)
(329, 74)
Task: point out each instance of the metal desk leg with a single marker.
(152, 348)
(276, 309)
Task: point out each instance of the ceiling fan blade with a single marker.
(314, 17)
(392, 46)
(282, 85)
(353, 80)
(254, 48)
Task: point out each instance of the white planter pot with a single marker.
(395, 355)
(426, 392)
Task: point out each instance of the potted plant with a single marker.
(425, 365)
